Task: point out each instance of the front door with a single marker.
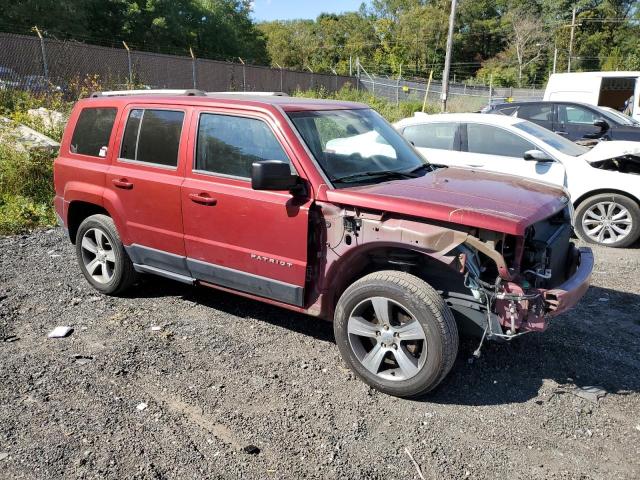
(236, 237)
(496, 149)
(144, 183)
(575, 122)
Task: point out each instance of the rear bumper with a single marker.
(567, 295)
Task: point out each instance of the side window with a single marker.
(229, 145)
(490, 140)
(536, 112)
(577, 115)
(93, 130)
(432, 135)
(152, 136)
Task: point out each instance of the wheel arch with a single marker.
(600, 191)
(79, 210)
(378, 256)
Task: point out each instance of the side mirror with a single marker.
(601, 124)
(537, 156)
(273, 175)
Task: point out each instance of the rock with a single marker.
(590, 393)
(26, 138)
(141, 406)
(3, 455)
(82, 359)
(49, 118)
(251, 450)
(11, 338)
(60, 332)
(156, 328)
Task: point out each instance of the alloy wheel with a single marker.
(607, 222)
(98, 255)
(387, 339)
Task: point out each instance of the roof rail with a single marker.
(266, 94)
(120, 93)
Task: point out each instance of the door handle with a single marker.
(202, 199)
(122, 183)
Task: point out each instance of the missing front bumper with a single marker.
(520, 311)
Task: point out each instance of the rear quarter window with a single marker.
(93, 130)
(432, 135)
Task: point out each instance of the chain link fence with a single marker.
(37, 64)
(471, 96)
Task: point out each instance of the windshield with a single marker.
(355, 146)
(552, 139)
(618, 117)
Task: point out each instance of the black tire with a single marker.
(634, 214)
(121, 268)
(420, 300)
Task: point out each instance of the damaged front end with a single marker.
(623, 164)
(496, 284)
(525, 281)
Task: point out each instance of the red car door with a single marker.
(237, 237)
(144, 183)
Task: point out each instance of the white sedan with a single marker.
(603, 182)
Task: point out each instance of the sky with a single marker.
(294, 9)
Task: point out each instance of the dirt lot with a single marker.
(224, 373)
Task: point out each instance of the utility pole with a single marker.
(573, 27)
(555, 58)
(447, 60)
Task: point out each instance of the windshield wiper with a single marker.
(380, 173)
(424, 165)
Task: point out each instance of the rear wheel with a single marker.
(396, 333)
(608, 219)
(101, 255)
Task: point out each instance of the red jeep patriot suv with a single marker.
(320, 207)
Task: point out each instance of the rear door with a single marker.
(499, 150)
(537, 112)
(438, 142)
(236, 237)
(144, 184)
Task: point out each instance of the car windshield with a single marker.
(618, 117)
(357, 146)
(552, 139)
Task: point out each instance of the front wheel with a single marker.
(608, 219)
(396, 333)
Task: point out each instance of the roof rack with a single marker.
(120, 93)
(265, 94)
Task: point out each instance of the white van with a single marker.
(608, 89)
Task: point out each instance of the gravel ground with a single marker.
(223, 373)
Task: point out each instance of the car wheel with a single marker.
(101, 255)
(396, 333)
(608, 219)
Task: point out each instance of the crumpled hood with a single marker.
(498, 202)
(612, 149)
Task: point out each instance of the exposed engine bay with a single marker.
(542, 260)
(622, 164)
(499, 285)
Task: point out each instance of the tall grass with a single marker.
(391, 110)
(388, 109)
(26, 175)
